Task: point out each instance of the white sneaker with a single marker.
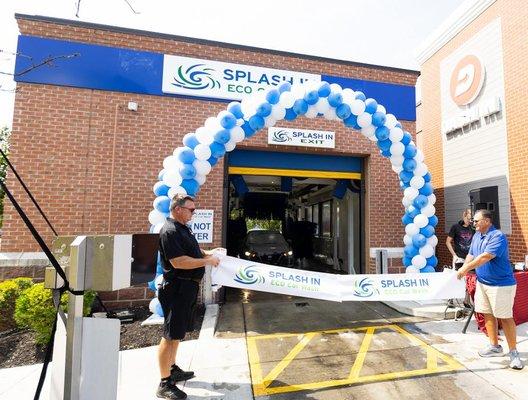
(491, 351)
(515, 360)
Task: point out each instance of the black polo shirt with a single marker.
(177, 240)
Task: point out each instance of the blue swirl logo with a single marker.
(249, 275)
(281, 136)
(364, 288)
(196, 78)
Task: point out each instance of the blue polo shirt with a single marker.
(497, 271)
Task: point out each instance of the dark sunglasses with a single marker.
(192, 210)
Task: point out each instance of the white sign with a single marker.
(301, 137)
(220, 80)
(234, 272)
(202, 225)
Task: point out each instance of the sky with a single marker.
(379, 32)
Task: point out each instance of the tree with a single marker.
(5, 134)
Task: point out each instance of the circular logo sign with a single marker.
(467, 80)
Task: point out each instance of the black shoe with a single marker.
(169, 391)
(177, 374)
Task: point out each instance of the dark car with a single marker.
(268, 247)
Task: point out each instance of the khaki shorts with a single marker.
(495, 300)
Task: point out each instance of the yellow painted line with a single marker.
(362, 353)
(288, 359)
(432, 360)
(254, 363)
(326, 331)
(294, 172)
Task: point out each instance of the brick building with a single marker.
(91, 161)
(471, 116)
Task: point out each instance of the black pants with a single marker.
(177, 299)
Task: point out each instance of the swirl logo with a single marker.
(195, 77)
(281, 136)
(249, 275)
(364, 288)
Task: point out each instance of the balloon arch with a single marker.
(186, 169)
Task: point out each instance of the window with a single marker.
(326, 219)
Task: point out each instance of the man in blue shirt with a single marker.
(496, 285)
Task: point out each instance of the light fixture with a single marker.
(132, 106)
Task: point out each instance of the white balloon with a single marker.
(357, 107)
(381, 109)
(173, 191)
(172, 178)
(410, 193)
(330, 114)
(202, 167)
(268, 122)
(204, 135)
(237, 134)
(348, 96)
(427, 251)
(406, 202)
(421, 221)
(364, 119)
(322, 105)
(419, 157)
(419, 261)
(432, 240)
(390, 121)
(417, 182)
(373, 138)
(411, 269)
(200, 179)
(171, 162)
(311, 113)
(397, 148)
(420, 170)
(286, 100)
(298, 91)
(431, 198)
(397, 168)
(213, 124)
(155, 217)
(397, 160)
(240, 122)
(429, 210)
(153, 304)
(157, 227)
(369, 131)
(248, 107)
(407, 240)
(278, 112)
(395, 135)
(411, 229)
(230, 146)
(335, 88)
(203, 151)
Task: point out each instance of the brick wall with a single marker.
(63, 140)
(514, 20)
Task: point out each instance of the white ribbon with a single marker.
(234, 272)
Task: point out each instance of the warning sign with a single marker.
(202, 225)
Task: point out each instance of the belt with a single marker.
(197, 280)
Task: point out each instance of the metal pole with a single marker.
(76, 276)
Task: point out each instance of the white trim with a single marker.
(466, 13)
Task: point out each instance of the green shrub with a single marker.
(9, 292)
(35, 310)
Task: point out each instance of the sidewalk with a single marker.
(222, 371)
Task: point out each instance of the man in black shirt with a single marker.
(460, 236)
(183, 265)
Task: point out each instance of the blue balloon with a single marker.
(427, 269)
(426, 189)
(386, 153)
(228, 121)
(398, 125)
(152, 285)
(382, 133)
(335, 99)
(384, 145)
(406, 176)
(427, 177)
(371, 106)
(290, 114)
(409, 164)
(235, 109)
(222, 136)
(256, 122)
(406, 138)
(190, 140)
(161, 203)
(300, 107)
(407, 261)
(351, 122)
(404, 185)
(264, 109)
(410, 151)
(217, 149)
(413, 213)
(420, 201)
(406, 219)
(378, 118)
(273, 96)
(410, 251)
(212, 161)
(343, 111)
(285, 87)
(311, 97)
(432, 261)
(187, 171)
(248, 130)
(433, 221)
(361, 96)
(427, 231)
(324, 90)
(160, 189)
(187, 156)
(190, 186)
(419, 240)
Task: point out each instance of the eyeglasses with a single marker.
(192, 210)
(474, 221)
